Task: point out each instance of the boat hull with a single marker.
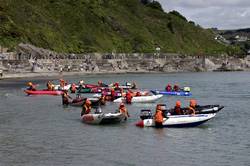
(179, 120)
(43, 92)
(172, 93)
(103, 118)
(140, 99)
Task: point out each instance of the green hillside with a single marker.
(101, 26)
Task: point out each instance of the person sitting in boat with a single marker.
(31, 86)
(138, 93)
(66, 98)
(168, 88)
(62, 84)
(133, 86)
(102, 99)
(86, 108)
(73, 88)
(113, 94)
(50, 86)
(124, 111)
(101, 84)
(117, 86)
(158, 117)
(81, 85)
(176, 88)
(191, 108)
(177, 109)
(128, 97)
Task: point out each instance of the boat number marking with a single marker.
(88, 118)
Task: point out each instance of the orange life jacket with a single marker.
(158, 117)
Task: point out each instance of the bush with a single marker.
(174, 12)
(155, 5)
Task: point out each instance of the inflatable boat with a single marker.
(206, 109)
(172, 93)
(178, 120)
(43, 92)
(140, 99)
(102, 118)
(199, 109)
(66, 87)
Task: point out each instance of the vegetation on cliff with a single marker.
(102, 26)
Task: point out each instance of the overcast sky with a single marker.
(223, 14)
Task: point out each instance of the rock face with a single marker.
(33, 59)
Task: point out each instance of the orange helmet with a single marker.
(61, 80)
(29, 84)
(178, 103)
(193, 103)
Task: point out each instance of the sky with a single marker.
(221, 14)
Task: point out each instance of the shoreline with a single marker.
(43, 75)
(11, 76)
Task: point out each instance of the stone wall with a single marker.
(33, 59)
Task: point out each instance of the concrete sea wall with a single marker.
(32, 59)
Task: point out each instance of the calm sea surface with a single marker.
(40, 131)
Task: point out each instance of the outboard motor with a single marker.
(98, 110)
(146, 114)
(187, 89)
(128, 84)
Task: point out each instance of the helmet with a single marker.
(193, 103)
(99, 82)
(158, 107)
(178, 103)
(81, 82)
(122, 105)
(29, 84)
(116, 84)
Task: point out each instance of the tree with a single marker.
(145, 2)
(174, 12)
